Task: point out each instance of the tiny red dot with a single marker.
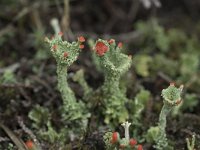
(132, 142)
(140, 147)
(172, 84)
(111, 41)
(60, 34)
(81, 39)
(81, 46)
(54, 47)
(65, 54)
(120, 45)
(29, 144)
(115, 137)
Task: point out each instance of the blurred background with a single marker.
(162, 35)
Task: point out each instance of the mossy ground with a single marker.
(32, 79)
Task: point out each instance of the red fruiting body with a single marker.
(111, 41)
(115, 137)
(81, 46)
(60, 34)
(120, 45)
(54, 47)
(52, 37)
(140, 147)
(172, 84)
(132, 142)
(29, 144)
(81, 39)
(65, 54)
(101, 48)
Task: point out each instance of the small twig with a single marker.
(16, 86)
(114, 10)
(165, 77)
(58, 6)
(187, 131)
(12, 67)
(18, 142)
(21, 14)
(66, 17)
(44, 83)
(37, 19)
(25, 11)
(22, 91)
(191, 81)
(27, 130)
(6, 30)
(4, 139)
(134, 10)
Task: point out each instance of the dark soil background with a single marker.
(25, 23)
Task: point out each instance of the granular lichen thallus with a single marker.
(114, 142)
(171, 98)
(73, 112)
(114, 64)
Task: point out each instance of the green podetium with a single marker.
(65, 54)
(191, 144)
(171, 98)
(114, 64)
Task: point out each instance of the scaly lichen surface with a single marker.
(171, 98)
(114, 64)
(73, 112)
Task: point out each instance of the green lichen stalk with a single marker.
(191, 144)
(66, 53)
(114, 64)
(171, 98)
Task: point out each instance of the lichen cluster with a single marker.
(111, 98)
